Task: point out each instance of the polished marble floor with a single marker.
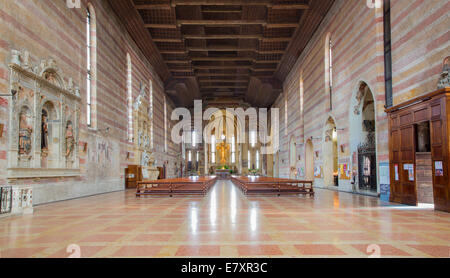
(226, 224)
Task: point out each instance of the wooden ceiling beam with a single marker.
(221, 37)
(172, 51)
(267, 61)
(181, 22)
(180, 62)
(263, 69)
(220, 67)
(212, 75)
(175, 3)
(160, 26)
(224, 87)
(167, 40)
(282, 25)
(230, 48)
(268, 3)
(180, 70)
(301, 6)
(212, 59)
(219, 48)
(223, 81)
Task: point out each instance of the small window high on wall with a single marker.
(91, 42)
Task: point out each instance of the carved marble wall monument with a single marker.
(142, 121)
(44, 118)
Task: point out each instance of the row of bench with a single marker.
(179, 186)
(271, 186)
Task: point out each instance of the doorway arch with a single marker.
(363, 139)
(309, 158)
(330, 154)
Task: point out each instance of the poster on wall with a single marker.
(317, 172)
(438, 169)
(301, 171)
(385, 189)
(396, 172)
(410, 169)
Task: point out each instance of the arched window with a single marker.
(190, 156)
(253, 138)
(257, 160)
(194, 138)
(91, 68)
(151, 115)
(286, 115)
(329, 68)
(129, 99)
(302, 103)
(165, 124)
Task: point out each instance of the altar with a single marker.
(223, 174)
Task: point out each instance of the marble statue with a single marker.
(44, 132)
(70, 140)
(25, 132)
(444, 80)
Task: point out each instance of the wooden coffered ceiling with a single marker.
(227, 48)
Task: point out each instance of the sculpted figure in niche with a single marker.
(444, 80)
(25, 131)
(70, 140)
(44, 132)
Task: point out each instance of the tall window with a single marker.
(387, 53)
(213, 149)
(249, 158)
(257, 160)
(253, 138)
(190, 156)
(198, 157)
(165, 124)
(151, 115)
(194, 138)
(330, 54)
(329, 68)
(286, 115)
(302, 103)
(130, 98)
(91, 58)
(233, 150)
(89, 77)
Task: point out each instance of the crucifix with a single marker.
(223, 149)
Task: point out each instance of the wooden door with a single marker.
(394, 157)
(402, 157)
(408, 165)
(439, 139)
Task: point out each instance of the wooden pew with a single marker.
(179, 186)
(273, 186)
